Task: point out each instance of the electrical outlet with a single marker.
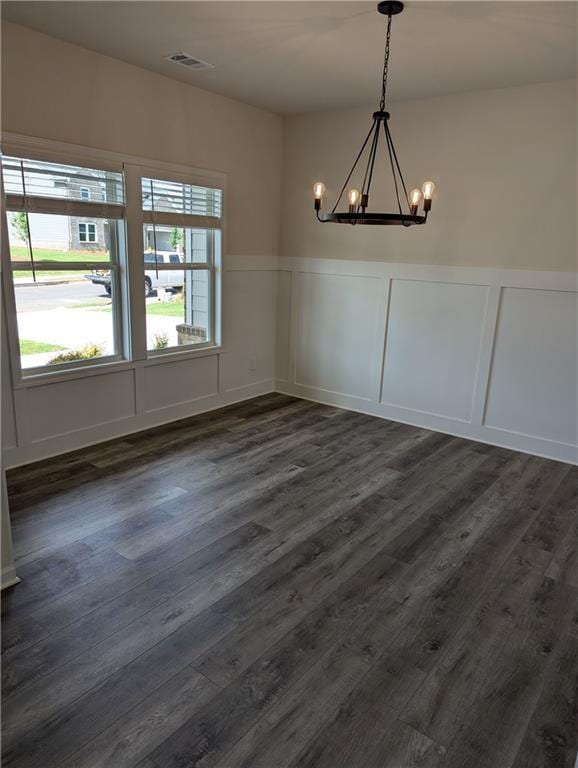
(252, 364)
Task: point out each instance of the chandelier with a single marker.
(357, 212)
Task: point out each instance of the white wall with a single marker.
(42, 80)
(504, 162)
(8, 575)
(467, 324)
(412, 340)
(47, 418)
(58, 91)
(486, 354)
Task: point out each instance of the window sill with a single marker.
(53, 377)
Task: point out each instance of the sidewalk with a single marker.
(49, 280)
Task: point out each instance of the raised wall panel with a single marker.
(65, 414)
(282, 366)
(180, 382)
(68, 406)
(249, 328)
(533, 383)
(337, 329)
(432, 346)
(7, 402)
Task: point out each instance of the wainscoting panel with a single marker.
(9, 439)
(249, 328)
(337, 327)
(46, 418)
(180, 382)
(282, 372)
(486, 354)
(432, 346)
(533, 384)
(70, 406)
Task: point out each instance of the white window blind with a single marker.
(161, 196)
(37, 179)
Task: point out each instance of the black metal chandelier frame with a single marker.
(357, 212)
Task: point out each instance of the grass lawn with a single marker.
(28, 347)
(20, 253)
(166, 308)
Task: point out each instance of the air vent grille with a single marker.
(185, 60)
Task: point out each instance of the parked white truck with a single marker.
(171, 279)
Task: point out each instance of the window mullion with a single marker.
(133, 286)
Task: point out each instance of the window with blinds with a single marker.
(74, 264)
(36, 179)
(182, 241)
(65, 233)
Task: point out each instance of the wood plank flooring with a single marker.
(281, 584)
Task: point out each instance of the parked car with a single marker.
(171, 279)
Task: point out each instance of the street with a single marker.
(38, 297)
(70, 315)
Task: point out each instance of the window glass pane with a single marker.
(63, 182)
(174, 197)
(179, 317)
(62, 238)
(177, 244)
(63, 319)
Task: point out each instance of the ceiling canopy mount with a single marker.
(390, 7)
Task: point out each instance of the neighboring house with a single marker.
(85, 234)
(163, 240)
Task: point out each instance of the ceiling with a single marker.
(301, 56)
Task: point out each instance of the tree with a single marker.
(19, 224)
(176, 238)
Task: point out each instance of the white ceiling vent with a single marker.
(185, 60)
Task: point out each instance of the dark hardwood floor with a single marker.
(281, 584)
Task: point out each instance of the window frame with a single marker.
(83, 197)
(132, 321)
(211, 224)
(69, 208)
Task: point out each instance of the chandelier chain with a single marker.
(385, 63)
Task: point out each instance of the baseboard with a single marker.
(500, 438)
(84, 438)
(8, 578)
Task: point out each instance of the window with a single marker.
(72, 265)
(87, 232)
(182, 240)
(66, 297)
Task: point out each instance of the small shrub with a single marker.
(161, 340)
(83, 353)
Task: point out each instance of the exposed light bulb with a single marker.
(353, 196)
(319, 189)
(414, 200)
(428, 188)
